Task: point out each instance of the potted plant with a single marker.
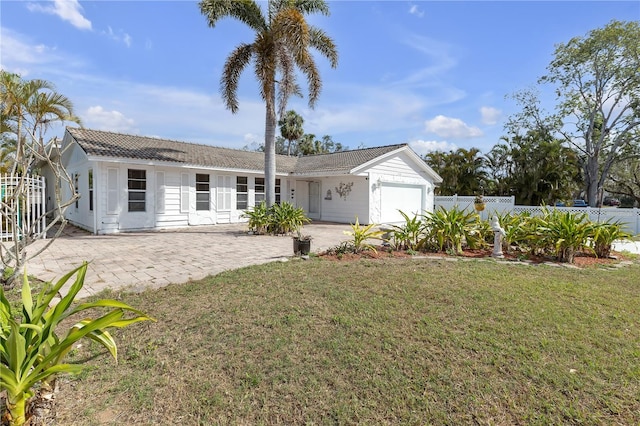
(478, 203)
(301, 244)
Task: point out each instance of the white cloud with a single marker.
(17, 54)
(448, 127)
(68, 10)
(422, 147)
(119, 36)
(490, 115)
(415, 10)
(98, 118)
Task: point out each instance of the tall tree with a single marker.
(598, 90)
(309, 145)
(29, 108)
(463, 171)
(535, 168)
(282, 43)
(291, 128)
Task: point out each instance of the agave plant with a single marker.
(604, 234)
(361, 234)
(31, 350)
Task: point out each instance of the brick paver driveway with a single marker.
(140, 260)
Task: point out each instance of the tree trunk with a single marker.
(270, 151)
(591, 180)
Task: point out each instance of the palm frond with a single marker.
(233, 67)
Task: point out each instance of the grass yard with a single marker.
(391, 341)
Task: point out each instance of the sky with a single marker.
(437, 75)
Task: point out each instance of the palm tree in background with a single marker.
(29, 108)
(291, 128)
(282, 43)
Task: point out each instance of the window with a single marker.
(277, 200)
(90, 190)
(76, 190)
(259, 189)
(224, 193)
(137, 185)
(202, 192)
(242, 192)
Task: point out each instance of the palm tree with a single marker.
(281, 44)
(29, 108)
(291, 128)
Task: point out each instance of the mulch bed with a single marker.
(582, 259)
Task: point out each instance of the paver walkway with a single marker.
(140, 260)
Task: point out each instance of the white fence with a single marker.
(25, 216)
(629, 218)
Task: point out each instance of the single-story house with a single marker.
(129, 183)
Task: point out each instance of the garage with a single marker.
(394, 197)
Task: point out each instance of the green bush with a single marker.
(603, 236)
(564, 233)
(279, 219)
(447, 229)
(258, 218)
(408, 235)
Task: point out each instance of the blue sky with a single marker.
(431, 74)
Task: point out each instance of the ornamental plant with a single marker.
(361, 234)
(604, 234)
(408, 235)
(32, 352)
(447, 229)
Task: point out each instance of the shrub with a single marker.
(447, 229)
(408, 235)
(282, 218)
(361, 234)
(31, 350)
(258, 218)
(565, 233)
(285, 218)
(604, 234)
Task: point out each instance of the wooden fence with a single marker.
(25, 215)
(629, 218)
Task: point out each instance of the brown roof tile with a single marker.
(100, 143)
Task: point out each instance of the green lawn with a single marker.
(373, 342)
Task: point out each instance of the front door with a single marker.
(314, 200)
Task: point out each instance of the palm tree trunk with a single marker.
(270, 151)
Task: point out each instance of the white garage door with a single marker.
(394, 197)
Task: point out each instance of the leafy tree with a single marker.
(291, 128)
(598, 91)
(463, 171)
(309, 145)
(282, 43)
(535, 168)
(29, 108)
(624, 179)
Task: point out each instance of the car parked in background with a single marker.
(580, 203)
(611, 201)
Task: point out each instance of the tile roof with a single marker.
(98, 143)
